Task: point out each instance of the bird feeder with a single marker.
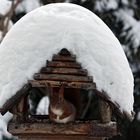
(63, 68)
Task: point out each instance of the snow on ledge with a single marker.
(45, 31)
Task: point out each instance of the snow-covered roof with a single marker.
(45, 31)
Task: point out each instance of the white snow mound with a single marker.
(45, 31)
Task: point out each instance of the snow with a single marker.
(4, 6)
(42, 108)
(130, 22)
(45, 31)
(105, 5)
(83, 0)
(125, 2)
(3, 125)
(27, 6)
(138, 116)
(67, 1)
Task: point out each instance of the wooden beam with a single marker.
(68, 71)
(105, 111)
(57, 57)
(66, 78)
(79, 85)
(60, 64)
(14, 100)
(90, 128)
(56, 137)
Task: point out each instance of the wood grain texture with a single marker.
(77, 85)
(14, 100)
(67, 71)
(58, 57)
(90, 129)
(105, 111)
(62, 77)
(60, 64)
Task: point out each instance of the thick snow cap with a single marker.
(45, 31)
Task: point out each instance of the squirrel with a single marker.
(60, 109)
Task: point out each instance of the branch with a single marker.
(8, 16)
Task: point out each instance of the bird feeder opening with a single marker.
(83, 101)
(63, 69)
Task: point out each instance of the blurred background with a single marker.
(122, 17)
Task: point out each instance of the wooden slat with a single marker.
(83, 129)
(105, 111)
(80, 85)
(68, 71)
(60, 64)
(15, 99)
(69, 78)
(57, 57)
(56, 137)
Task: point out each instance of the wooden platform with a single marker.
(73, 131)
(57, 137)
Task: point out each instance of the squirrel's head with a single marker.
(57, 100)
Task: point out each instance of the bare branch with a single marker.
(8, 16)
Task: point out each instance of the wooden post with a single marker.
(20, 111)
(105, 111)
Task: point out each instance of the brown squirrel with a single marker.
(60, 109)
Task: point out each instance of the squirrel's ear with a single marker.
(50, 89)
(61, 91)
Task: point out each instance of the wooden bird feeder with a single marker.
(62, 68)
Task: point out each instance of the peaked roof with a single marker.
(63, 68)
(45, 31)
